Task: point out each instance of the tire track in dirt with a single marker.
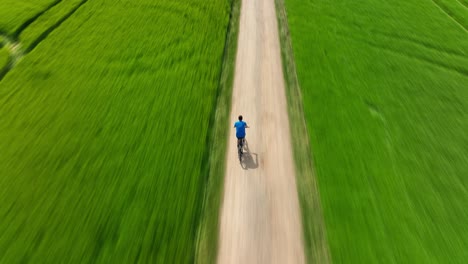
(260, 216)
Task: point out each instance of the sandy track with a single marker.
(260, 218)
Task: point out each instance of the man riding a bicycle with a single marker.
(240, 130)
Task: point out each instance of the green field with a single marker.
(47, 22)
(113, 113)
(16, 14)
(4, 59)
(104, 131)
(384, 86)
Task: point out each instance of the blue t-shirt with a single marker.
(240, 128)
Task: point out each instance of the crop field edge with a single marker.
(202, 179)
(207, 233)
(383, 209)
(314, 232)
(31, 44)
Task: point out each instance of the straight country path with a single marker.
(260, 215)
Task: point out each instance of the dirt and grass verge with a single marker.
(315, 239)
(207, 240)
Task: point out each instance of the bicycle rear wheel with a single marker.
(239, 151)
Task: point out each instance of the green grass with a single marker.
(207, 237)
(104, 134)
(457, 10)
(386, 107)
(50, 19)
(14, 13)
(4, 58)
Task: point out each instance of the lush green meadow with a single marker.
(4, 59)
(47, 22)
(104, 132)
(384, 87)
(4, 56)
(15, 13)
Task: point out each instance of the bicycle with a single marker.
(240, 148)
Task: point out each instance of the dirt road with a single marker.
(260, 218)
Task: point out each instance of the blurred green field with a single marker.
(384, 86)
(104, 133)
(4, 58)
(48, 21)
(15, 13)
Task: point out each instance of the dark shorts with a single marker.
(240, 137)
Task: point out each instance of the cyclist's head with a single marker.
(240, 118)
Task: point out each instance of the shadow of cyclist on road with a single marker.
(249, 160)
